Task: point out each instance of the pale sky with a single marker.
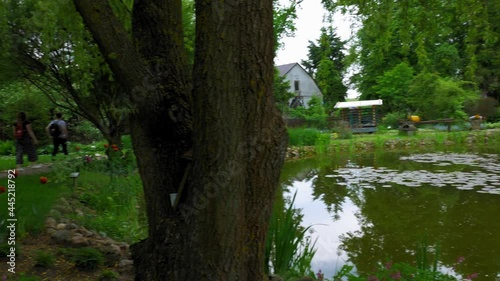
(309, 21)
(308, 24)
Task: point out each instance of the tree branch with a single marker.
(114, 42)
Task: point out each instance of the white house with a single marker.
(302, 85)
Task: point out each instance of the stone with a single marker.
(71, 226)
(61, 226)
(85, 232)
(79, 241)
(124, 246)
(50, 222)
(111, 252)
(125, 263)
(61, 235)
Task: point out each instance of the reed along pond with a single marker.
(372, 208)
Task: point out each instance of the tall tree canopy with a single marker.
(453, 39)
(217, 125)
(46, 43)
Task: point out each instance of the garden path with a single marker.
(45, 167)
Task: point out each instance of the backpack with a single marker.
(19, 132)
(54, 129)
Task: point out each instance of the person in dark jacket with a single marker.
(25, 141)
(60, 138)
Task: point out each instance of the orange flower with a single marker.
(116, 148)
(43, 180)
(106, 145)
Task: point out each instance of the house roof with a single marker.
(349, 104)
(284, 68)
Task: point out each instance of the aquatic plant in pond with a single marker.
(483, 173)
(289, 250)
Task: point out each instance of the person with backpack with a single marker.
(25, 142)
(58, 131)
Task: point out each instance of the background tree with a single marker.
(326, 65)
(434, 97)
(228, 120)
(392, 87)
(283, 19)
(45, 44)
(454, 39)
(281, 90)
(23, 96)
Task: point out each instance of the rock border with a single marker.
(68, 233)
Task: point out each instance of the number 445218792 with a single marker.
(11, 191)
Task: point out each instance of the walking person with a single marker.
(25, 142)
(58, 131)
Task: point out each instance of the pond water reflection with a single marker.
(372, 208)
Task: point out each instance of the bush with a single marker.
(109, 275)
(7, 148)
(315, 114)
(303, 136)
(342, 132)
(492, 125)
(115, 203)
(391, 120)
(85, 132)
(87, 258)
(44, 259)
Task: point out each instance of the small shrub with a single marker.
(64, 166)
(322, 144)
(7, 148)
(87, 258)
(109, 275)
(492, 125)
(391, 120)
(44, 259)
(303, 136)
(66, 252)
(342, 132)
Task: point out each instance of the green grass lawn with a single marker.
(33, 201)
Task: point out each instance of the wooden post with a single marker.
(374, 115)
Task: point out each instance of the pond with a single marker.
(372, 208)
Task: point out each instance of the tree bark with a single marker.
(226, 117)
(239, 139)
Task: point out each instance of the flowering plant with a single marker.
(43, 180)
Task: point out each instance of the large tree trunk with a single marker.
(228, 121)
(239, 139)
